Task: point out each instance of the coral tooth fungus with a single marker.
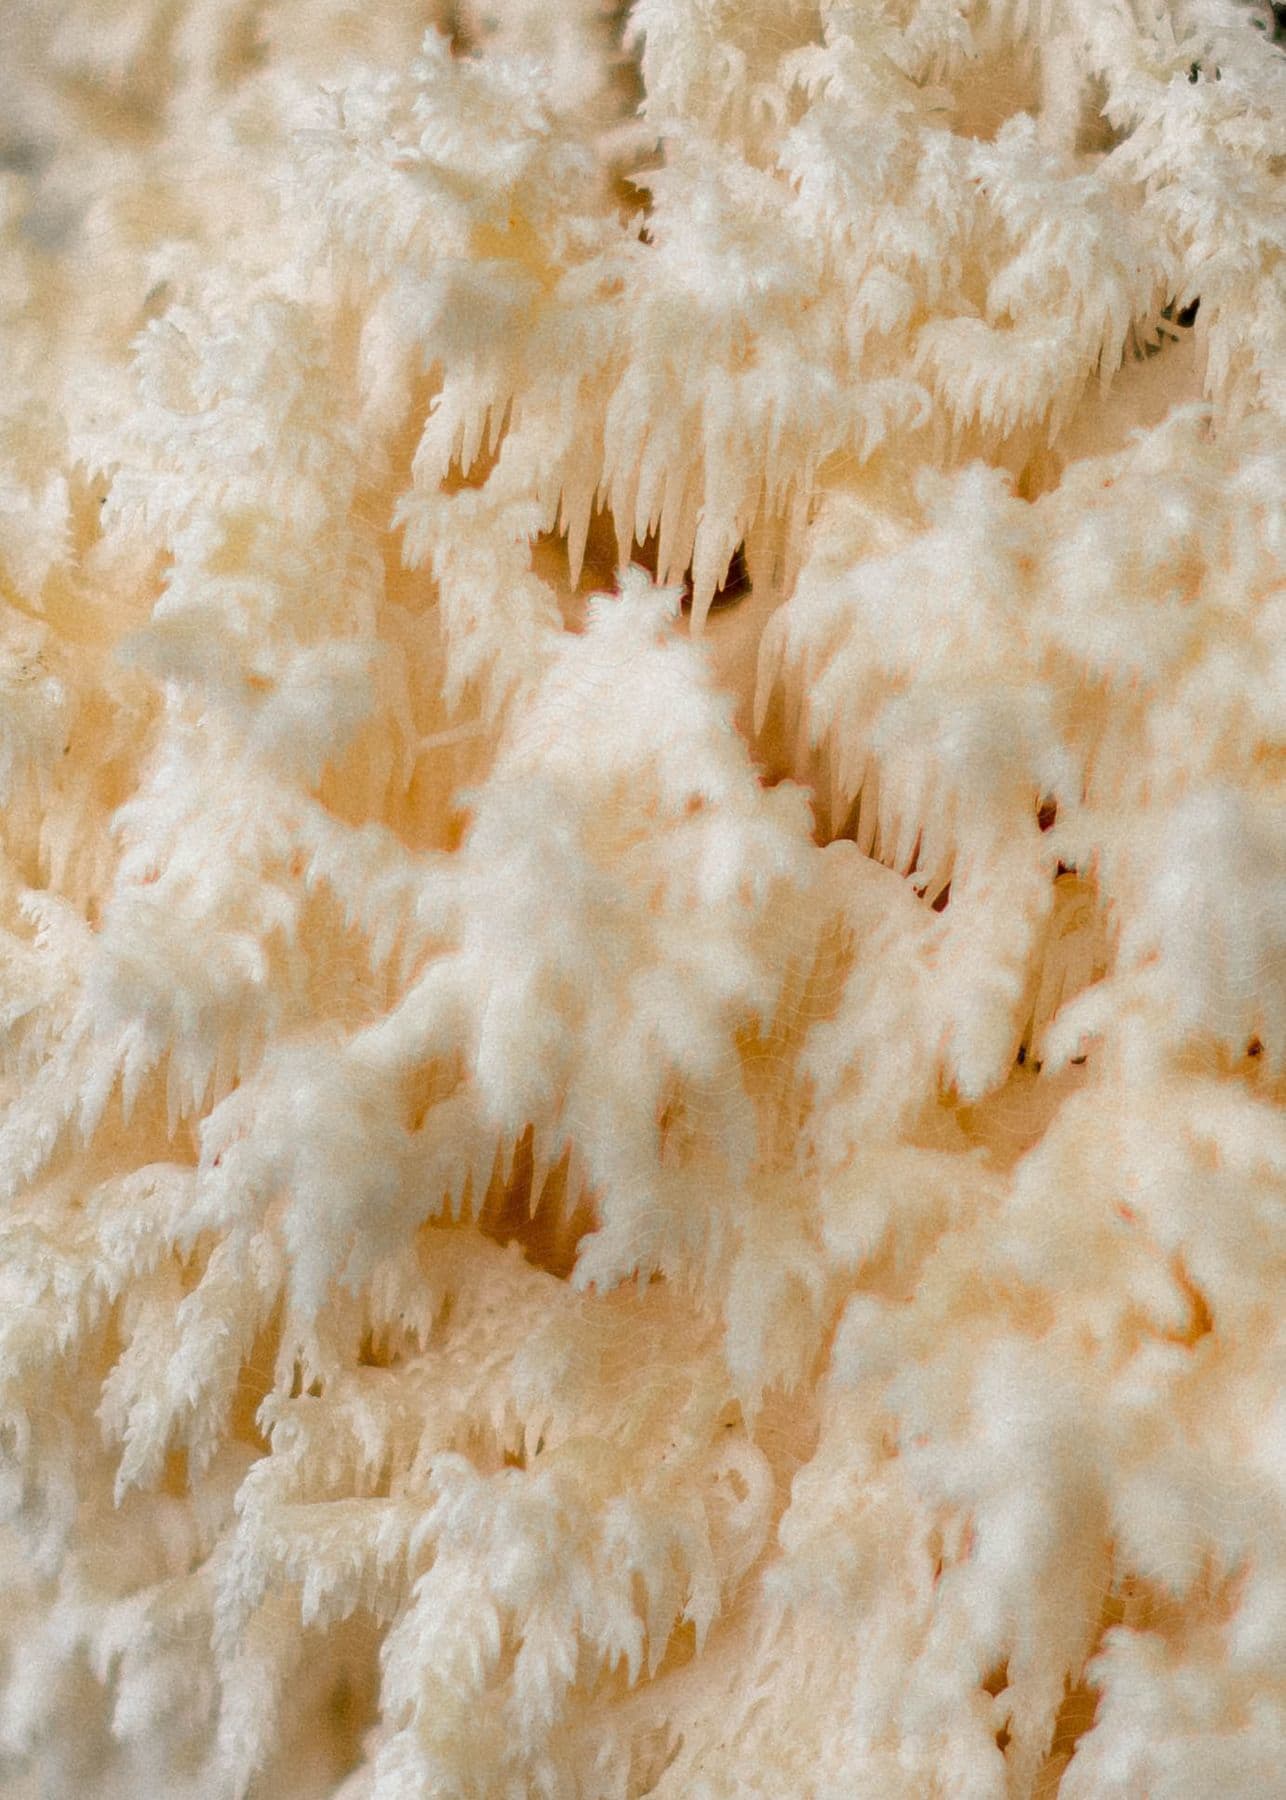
(642, 900)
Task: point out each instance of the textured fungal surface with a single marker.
(642, 900)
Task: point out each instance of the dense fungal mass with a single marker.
(642, 918)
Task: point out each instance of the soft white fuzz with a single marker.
(642, 900)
